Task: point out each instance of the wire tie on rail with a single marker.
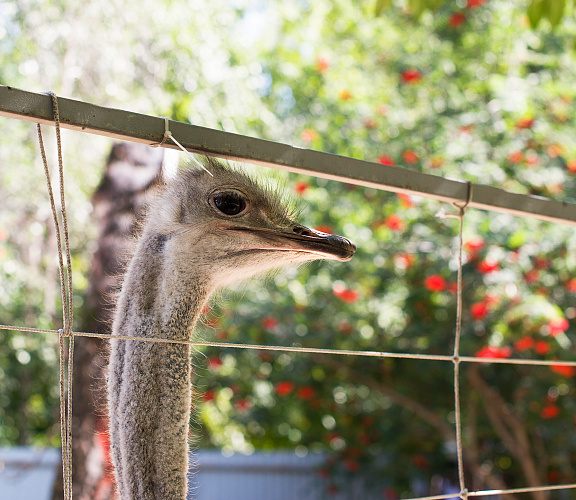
(468, 197)
(168, 135)
(442, 214)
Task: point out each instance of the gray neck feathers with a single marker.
(149, 382)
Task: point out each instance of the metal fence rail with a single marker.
(125, 125)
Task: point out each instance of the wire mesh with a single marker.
(456, 359)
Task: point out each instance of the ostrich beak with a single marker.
(304, 239)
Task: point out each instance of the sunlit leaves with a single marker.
(553, 10)
(536, 10)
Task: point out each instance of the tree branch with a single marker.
(510, 429)
(447, 431)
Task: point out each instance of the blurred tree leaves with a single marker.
(553, 10)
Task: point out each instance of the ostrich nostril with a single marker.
(303, 231)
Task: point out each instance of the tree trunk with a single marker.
(132, 171)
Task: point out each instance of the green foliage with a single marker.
(468, 90)
(553, 10)
(469, 95)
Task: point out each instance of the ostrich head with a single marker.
(230, 227)
(203, 232)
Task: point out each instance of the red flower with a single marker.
(410, 157)
(386, 160)
(494, 352)
(564, 370)
(479, 310)
(571, 165)
(301, 186)
(322, 65)
(472, 4)
(557, 326)
(309, 135)
(306, 392)
(345, 294)
(269, 323)
(542, 347)
(516, 157)
(571, 285)
(550, 411)
(474, 245)
(487, 266)
(284, 388)
(524, 343)
(404, 260)
(395, 223)
(242, 405)
(457, 19)
(435, 283)
(324, 229)
(525, 122)
(532, 276)
(214, 363)
(209, 395)
(405, 200)
(411, 76)
(541, 263)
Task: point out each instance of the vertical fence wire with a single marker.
(67, 304)
(458, 333)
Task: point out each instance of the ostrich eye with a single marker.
(230, 203)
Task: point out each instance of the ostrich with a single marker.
(202, 233)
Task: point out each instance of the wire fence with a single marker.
(462, 203)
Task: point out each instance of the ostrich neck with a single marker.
(163, 290)
(149, 382)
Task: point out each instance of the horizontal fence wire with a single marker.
(141, 128)
(487, 493)
(342, 352)
(307, 350)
